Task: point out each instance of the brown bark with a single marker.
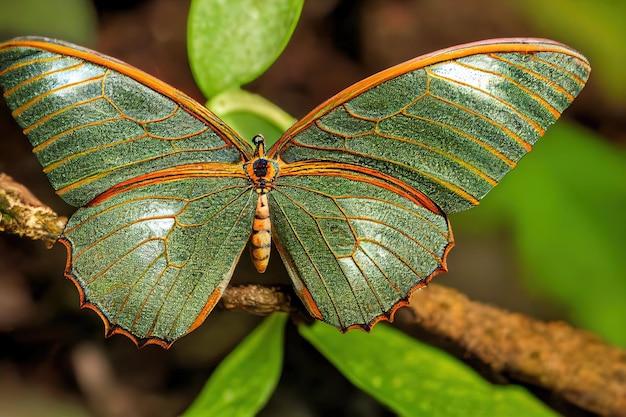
(556, 356)
(261, 300)
(571, 362)
(21, 213)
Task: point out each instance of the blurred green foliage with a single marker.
(250, 114)
(70, 20)
(414, 379)
(244, 381)
(595, 27)
(231, 43)
(565, 202)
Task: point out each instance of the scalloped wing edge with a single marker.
(527, 45)
(111, 329)
(386, 316)
(389, 315)
(192, 106)
(417, 196)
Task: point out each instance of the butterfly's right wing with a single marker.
(153, 258)
(95, 121)
(355, 241)
(451, 123)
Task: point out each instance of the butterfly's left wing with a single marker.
(152, 258)
(167, 207)
(451, 123)
(95, 121)
(355, 241)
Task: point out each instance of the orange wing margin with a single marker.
(378, 179)
(189, 104)
(500, 45)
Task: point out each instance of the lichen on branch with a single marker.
(21, 213)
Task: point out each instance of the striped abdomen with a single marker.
(261, 240)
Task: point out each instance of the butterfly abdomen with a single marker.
(261, 239)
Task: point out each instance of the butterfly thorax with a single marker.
(261, 171)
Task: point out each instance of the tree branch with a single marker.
(21, 213)
(261, 300)
(571, 362)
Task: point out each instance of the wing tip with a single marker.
(34, 38)
(110, 329)
(389, 315)
(548, 43)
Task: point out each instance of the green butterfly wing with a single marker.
(355, 241)
(448, 126)
(154, 259)
(169, 208)
(452, 123)
(359, 206)
(95, 121)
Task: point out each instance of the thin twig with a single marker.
(554, 355)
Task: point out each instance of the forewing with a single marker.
(153, 260)
(451, 123)
(356, 242)
(95, 121)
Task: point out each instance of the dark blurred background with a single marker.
(53, 358)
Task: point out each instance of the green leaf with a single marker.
(244, 381)
(70, 20)
(250, 114)
(231, 43)
(566, 202)
(414, 379)
(595, 27)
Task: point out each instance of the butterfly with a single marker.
(355, 196)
